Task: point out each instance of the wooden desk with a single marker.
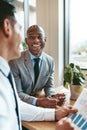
(39, 125)
(42, 125)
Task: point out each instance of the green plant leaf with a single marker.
(73, 75)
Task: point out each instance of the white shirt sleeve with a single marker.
(33, 113)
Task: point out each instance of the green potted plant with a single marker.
(74, 78)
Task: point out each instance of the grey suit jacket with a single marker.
(23, 72)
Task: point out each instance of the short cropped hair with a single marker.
(6, 10)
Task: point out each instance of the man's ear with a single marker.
(45, 39)
(7, 27)
(26, 40)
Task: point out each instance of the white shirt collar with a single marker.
(4, 67)
(33, 57)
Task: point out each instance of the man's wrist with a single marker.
(56, 115)
(34, 101)
(52, 95)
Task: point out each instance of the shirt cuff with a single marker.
(34, 101)
(49, 114)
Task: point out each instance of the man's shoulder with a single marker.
(24, 52)
(47, 56)
(21, 58)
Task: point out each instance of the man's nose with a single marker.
(36, 39)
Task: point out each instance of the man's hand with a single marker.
(65, 124)
(47, 102)
(60, 98)
(64, 111)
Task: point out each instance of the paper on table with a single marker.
(80, 118)
(67, 94)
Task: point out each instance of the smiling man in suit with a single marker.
(32, 77)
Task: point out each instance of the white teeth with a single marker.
(36, 45)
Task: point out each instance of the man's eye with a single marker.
(40, 37)
(31, 37)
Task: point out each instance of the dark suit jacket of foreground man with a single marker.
(23, 72)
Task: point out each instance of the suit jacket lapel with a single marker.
(29, 65)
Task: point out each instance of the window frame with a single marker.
(67, 33)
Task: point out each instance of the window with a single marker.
(26, 11)
(76, 29)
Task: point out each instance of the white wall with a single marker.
(48, 17)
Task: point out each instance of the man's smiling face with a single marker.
(35, 40)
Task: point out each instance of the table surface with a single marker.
(42, 125)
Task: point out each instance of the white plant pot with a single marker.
(75, 91)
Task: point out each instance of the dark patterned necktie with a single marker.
(11, 82)
(36, 69)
